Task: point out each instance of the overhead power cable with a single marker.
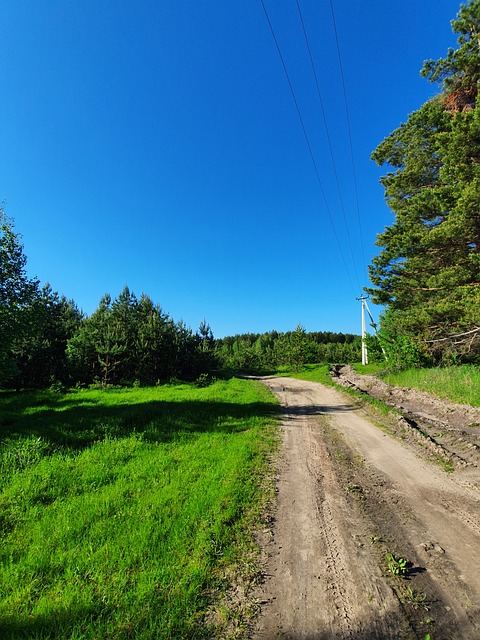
(327, 132)
(312, 157)
(349, 128)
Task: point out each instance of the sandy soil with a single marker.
(348, 494)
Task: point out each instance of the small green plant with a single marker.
(415, 598)
(447, 465)
(397, 565)
(56, 386)
(354, 488)
(203, 381)
(375, 538)
(428, 622)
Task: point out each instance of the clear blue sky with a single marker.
(156, 144)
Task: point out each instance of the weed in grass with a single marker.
(18, 454)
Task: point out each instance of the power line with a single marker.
(327, 132)
(306, 140)
(349, 128)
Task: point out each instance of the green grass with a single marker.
(456, 384)
(119, 509)
(311, 372)
(369, 369)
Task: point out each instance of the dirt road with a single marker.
(348, 495)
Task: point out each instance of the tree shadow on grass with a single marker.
(96, 621)
(77, 426)
(65, 623)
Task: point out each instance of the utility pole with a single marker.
(364, 331)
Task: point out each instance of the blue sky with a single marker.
(156, 144)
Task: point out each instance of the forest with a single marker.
(268, 351)
(48, 341)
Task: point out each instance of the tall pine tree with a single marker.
(428, 271)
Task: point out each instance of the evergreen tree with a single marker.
(154, 342)
(40, 352)
(428, 272)
(128, 340)
(17, 293)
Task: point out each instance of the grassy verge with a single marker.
(456, 384)
(119, 508)
(369, 369)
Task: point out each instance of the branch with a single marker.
(458, 335)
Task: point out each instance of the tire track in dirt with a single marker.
(342, 480)
(312, 587)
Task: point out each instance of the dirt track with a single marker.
(349, 494)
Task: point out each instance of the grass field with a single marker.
(120, 509)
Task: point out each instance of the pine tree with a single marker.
(428, 272)
(17, 293)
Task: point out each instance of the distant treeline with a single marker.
(256, 352)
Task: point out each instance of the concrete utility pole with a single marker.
(364, 331)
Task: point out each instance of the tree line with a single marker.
(293, 349)
(428, 270)
(47, 341)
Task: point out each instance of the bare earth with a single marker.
(348, 494)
